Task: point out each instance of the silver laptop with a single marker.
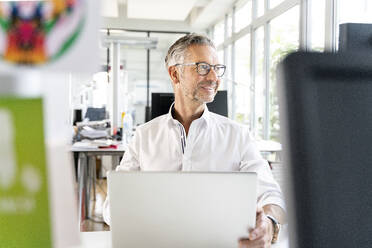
(181, 209)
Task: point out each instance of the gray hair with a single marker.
(177, 52)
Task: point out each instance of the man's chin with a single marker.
(207, 99)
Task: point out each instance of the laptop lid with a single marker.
(178, 209)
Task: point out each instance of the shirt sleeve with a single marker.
(129, 162)
(269, 191)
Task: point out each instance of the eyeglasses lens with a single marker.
(203, 69)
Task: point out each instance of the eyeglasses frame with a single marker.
(210, 67)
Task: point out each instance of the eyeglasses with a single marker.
(204, 68)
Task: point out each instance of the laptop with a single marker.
(181, 209)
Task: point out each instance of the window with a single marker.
(317, 25)
(274, 3)
(242, 79)
(228, 76)
(243, 16)
(219, 33)
(259, 84)
(260, 7)
(252, 81)
(220, 55)
(284, 33)
(355, 11)
(229, 25)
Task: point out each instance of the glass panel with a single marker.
(242, 79)
(355, 11)
(284, 33)
(243, 16)
(317, 25)
(219, 33)
(220, 55)
(259, 84)
(229, 25)
(228, 78)
(260, 7)
(274, 3)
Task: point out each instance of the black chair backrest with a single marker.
(326, 116)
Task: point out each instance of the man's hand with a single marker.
(261, 235)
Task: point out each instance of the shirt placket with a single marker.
(182, 142)
(190, 141)
(183, 138)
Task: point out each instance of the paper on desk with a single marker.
(92, 133)
(93, 144)
(105, 143)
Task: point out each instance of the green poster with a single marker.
(24, 205)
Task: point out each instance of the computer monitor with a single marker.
(161, 102)
(326, 119)
(96, 114)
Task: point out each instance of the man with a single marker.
(190, 138)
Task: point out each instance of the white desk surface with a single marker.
(262, 145)
(268, 146)
(103, 239)
(87, 147)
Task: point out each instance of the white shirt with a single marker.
(213, 143)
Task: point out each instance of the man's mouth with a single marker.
(209, 87)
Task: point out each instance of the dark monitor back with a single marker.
(355, 37)
(161, 102)
(96, 114)
(326, 116)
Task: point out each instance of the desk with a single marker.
(87, 169)
(103, 239)
(268, 147)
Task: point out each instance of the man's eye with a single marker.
(204, 67)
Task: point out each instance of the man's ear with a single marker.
(174, 75)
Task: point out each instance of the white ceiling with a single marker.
(165, 15)
(174, 10)
(158, 15)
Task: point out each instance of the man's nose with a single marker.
(212, 75)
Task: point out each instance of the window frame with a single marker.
(330, 45)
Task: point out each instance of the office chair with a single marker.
(326, 116)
